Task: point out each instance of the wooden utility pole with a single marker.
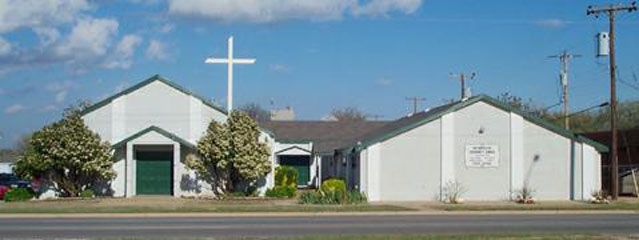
(415, 101)
(565, 58)
(610, 11)
(462, 79)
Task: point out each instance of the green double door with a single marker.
(154, 175)
(301, 164)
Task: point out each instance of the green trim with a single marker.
(158, 130)
(297, 141)
(496, 103)
(293, 147)
(153, 78)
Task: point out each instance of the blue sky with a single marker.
(311, 55)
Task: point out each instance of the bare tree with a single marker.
(348, 114)
(256, 112)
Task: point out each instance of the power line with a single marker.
(415, 101)
(586, 110)
(611, 11)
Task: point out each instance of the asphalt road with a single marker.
(168, 227)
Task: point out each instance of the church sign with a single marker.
(482, 156)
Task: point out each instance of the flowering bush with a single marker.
(599, 197)
(525, 195)
(452, 192)
(3, 191)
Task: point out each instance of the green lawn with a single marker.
(183, 205)
(449, 237)
(179, 205)
(629, 205)
(460, 237)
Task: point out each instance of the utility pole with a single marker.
(462, 79)
(565, 58)
(610, 11)
(415, 101)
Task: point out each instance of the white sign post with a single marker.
(482, 156)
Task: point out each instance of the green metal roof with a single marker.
(153, 78)
(408, 123)
(154, 129)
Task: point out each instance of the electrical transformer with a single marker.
(603, 44)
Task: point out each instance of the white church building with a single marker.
(152, 126)
(488, 147)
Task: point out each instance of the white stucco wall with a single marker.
(118, 185)
(410, 165)
(483, 183)
(591, 172)
(156, 104)
(547, 163)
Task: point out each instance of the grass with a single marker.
(179, 205)
(459, 237)
(184, 205)
(452, 237)
(626, 204)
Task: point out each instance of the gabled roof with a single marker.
(405, 124)
(148, 81)
(292, 148)
(325, 135)
(154, 129)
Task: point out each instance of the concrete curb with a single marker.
(304, 214)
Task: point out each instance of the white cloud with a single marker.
(279, 68)
(15, 14)
(5, 47)
(384, 82)
(122, 57)
(60, 86)
(47, 35)
(147, 2)
(60, 96)
(157, 51)
(276, 10)
(166, 28)
(552, 23)
(15, 108)
(60, 90)
(384, 7)
(49, 108)
(89, 38)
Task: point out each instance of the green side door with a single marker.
(154, 173)
(301, 164)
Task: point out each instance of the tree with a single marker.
(230, 155)
(68, 154)
(580, 121)
(256, 111)
(348, 114)
(519, 103)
